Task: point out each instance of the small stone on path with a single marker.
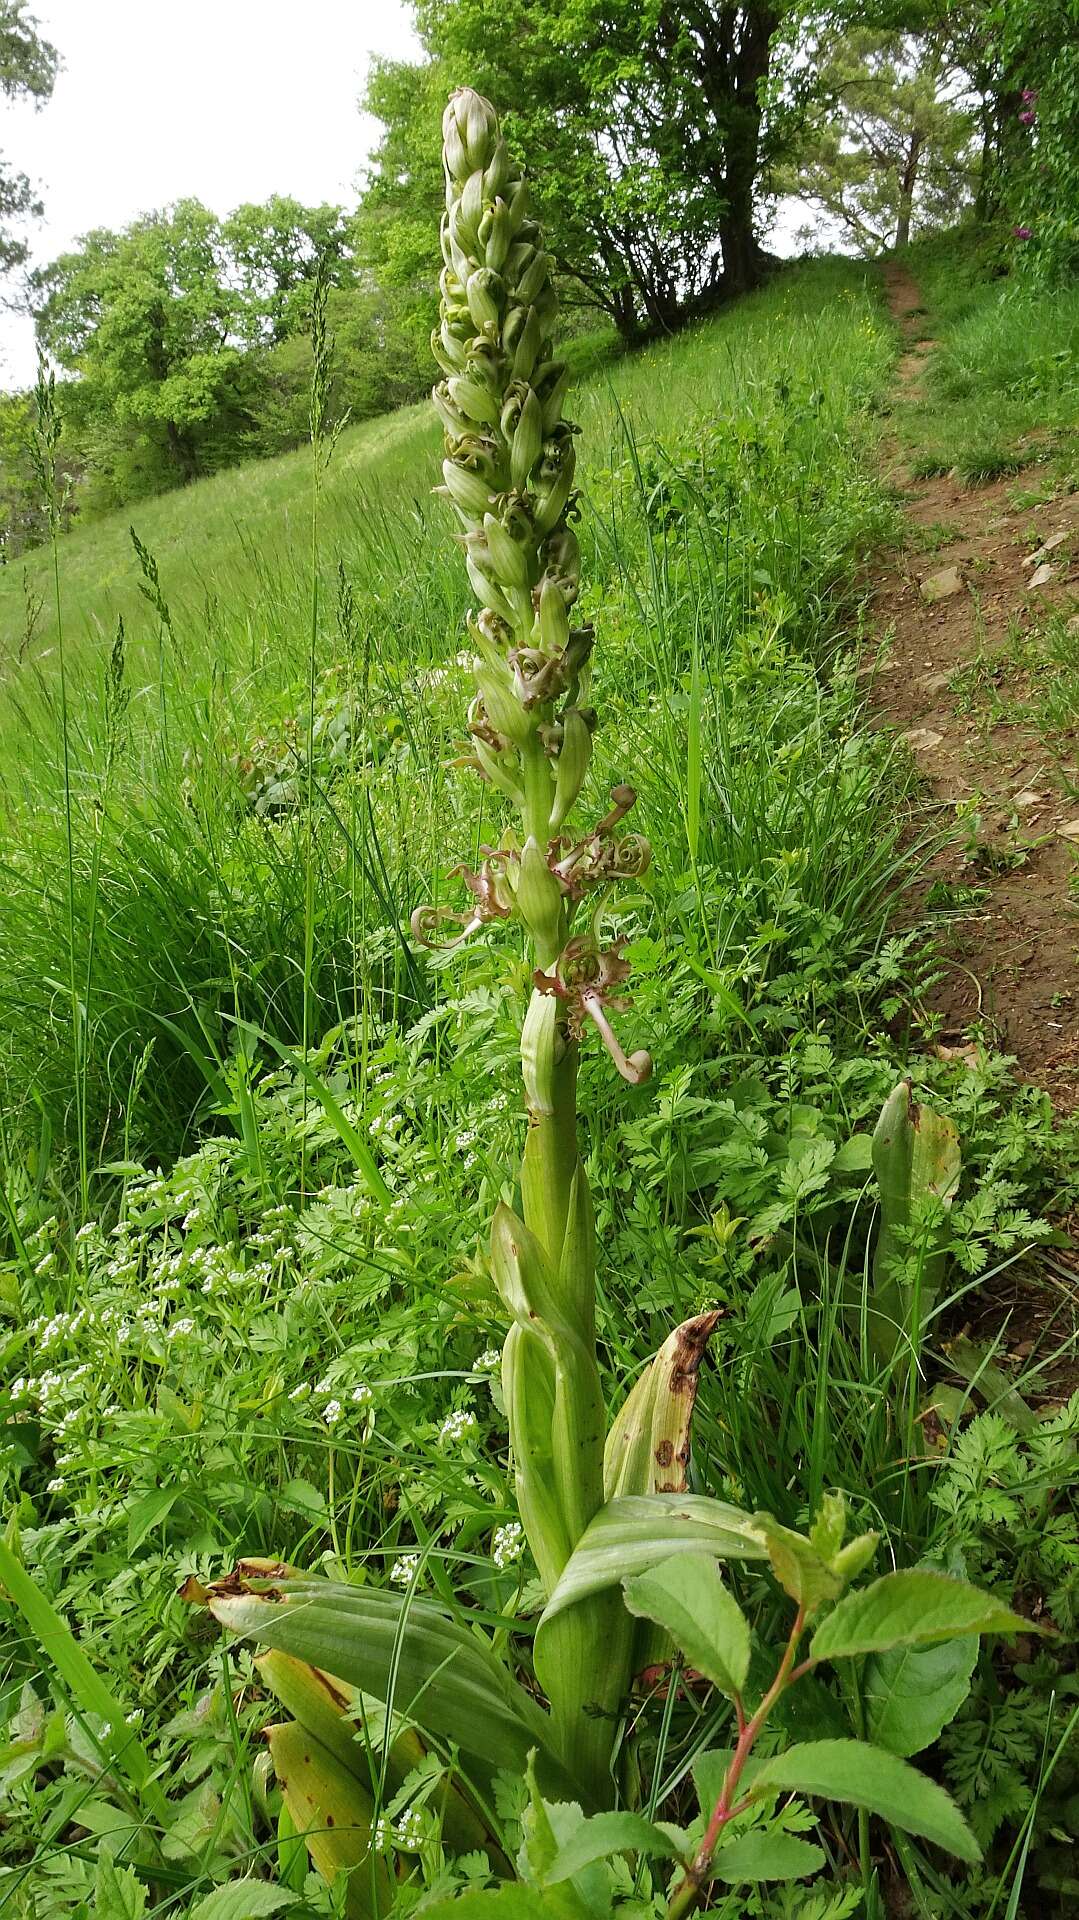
(1047, 546)
(1070, 831)
(938, 586)
(1042, 577)
(1029, 798)
(921, 739)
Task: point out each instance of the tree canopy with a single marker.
(649, 122)
(28, 68)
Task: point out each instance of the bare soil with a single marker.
(1011, 956)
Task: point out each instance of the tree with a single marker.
(148, 321)
(275, 250)
(1037, 45)
(891, 137)
(649, 125)
(28, 67)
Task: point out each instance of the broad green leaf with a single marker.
(864, 1776)
(828, 1531)
(631, 1534)
(913, 1609)
(797, 1565)
(243, 1900)
(605, 1834)
(405, 1652)
(513, 1903)
(119, 1894)
(147, 1512)
(687, 1597)
(910, 1694)
(767, 1856)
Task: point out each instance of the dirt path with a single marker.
(967, 594)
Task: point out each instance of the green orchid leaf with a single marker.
(632, 1534)
(405, 1652)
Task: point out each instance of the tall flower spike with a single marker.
(508, 475)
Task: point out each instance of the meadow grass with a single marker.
(725, 506)
(1003, 381)
(282, 1340)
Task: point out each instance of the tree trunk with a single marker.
(735, 66)
(907, 183)
(182, 452)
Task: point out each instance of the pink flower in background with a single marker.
(1029, 95)
(1027, 119)
(1023, 233)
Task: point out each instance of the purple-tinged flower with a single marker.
(1023, 233)
(1027, 119)
(1029, 95)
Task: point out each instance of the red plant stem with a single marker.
(687, 1895)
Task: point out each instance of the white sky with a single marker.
(222, 100)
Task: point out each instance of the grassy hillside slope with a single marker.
(251, 1140)
(217, 868)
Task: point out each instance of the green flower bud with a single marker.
(457, 245)
(453, 351)
(553, 617)
(486, 295)
(510, 559)
(467, 490)
(496, 176)
(499, 770)
(518, 205)
(454, 421)
(562, 559)
(486, 587)
(529, 340)
(501, 705)
(464, 222)
(455, 156)
(495, 235)
(550, 506)
(540, 1049)
(526, 443)
(533, 279)
(539, 897)
(572, 766)
(473, 398)
(517, 260)
(552, 391)
(480, 127)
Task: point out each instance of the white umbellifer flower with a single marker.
(408, 1834)
(86, 1232)
(56, 1485)
(45, 1264)
(301, 1392)
(134, 1718)
(403, 1570)
(360, 1395)
(181, 1327)
(488, 1360)
(507, 1544)
(456, 1425)
(331, 1412)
